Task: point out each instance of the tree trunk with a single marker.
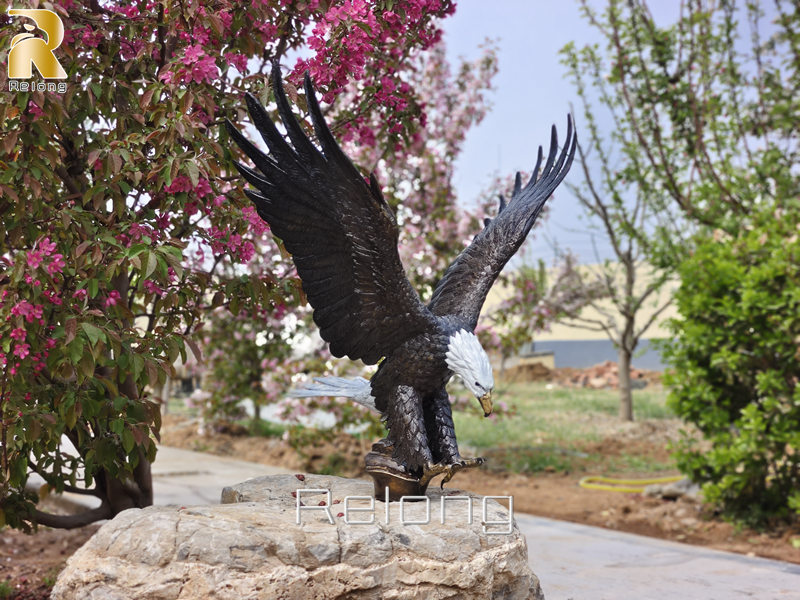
(625, 397)
(166, 392)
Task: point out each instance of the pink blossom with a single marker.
(180, 184)
(53, 297)
(192, 54)
(129, 11)
(34, 109)
(34, 259)
(137, 231)
(205, 70)
(167, 77)
(246, 252)
(203, 189)
(46, 246)
(201, 34)
(151, 288)
(91, 38)
(113, 298)
(27, 310)
(57, 265)
(18, 334)
(237, 60)
(80, 294)
(257, 224)
(49, 343)
(22, 350)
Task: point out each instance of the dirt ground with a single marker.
(29, 564)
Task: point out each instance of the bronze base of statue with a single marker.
(394, 479)
(390, 475)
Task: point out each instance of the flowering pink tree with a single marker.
(119, 212)
(417, 177)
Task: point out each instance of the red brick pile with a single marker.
(602, 376)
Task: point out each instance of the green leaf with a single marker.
(193, 172)
(149, 265)
(70, 330)
(75, 350)
(117, 426)
(86, 365)
(138, 365)
(128, 442)
(152, 373)
(145, 258)
(71, 416)
(93, 333)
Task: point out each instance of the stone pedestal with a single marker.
(252, 547)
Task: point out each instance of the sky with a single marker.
(530, 94)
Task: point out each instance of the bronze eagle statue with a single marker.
(343, 236)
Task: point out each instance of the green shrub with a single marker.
(736, 365)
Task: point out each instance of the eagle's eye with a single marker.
(477, 384)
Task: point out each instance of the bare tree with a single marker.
(619, 293)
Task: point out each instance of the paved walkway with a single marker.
(589, 563)
(185, 477)
(573, 562)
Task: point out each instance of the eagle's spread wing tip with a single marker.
(504, 234)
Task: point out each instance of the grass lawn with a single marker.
(565, 429)
(552, 428)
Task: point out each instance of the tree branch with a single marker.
(73, 521)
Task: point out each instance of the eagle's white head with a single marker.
(467, 359)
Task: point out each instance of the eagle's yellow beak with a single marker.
(486, 403)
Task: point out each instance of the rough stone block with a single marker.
(252, 547)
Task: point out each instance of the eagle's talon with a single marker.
(430, 471)
(449, 470)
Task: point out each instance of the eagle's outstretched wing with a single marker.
(464, 286)
(339, 230)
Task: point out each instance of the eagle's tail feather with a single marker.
(358, 389)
